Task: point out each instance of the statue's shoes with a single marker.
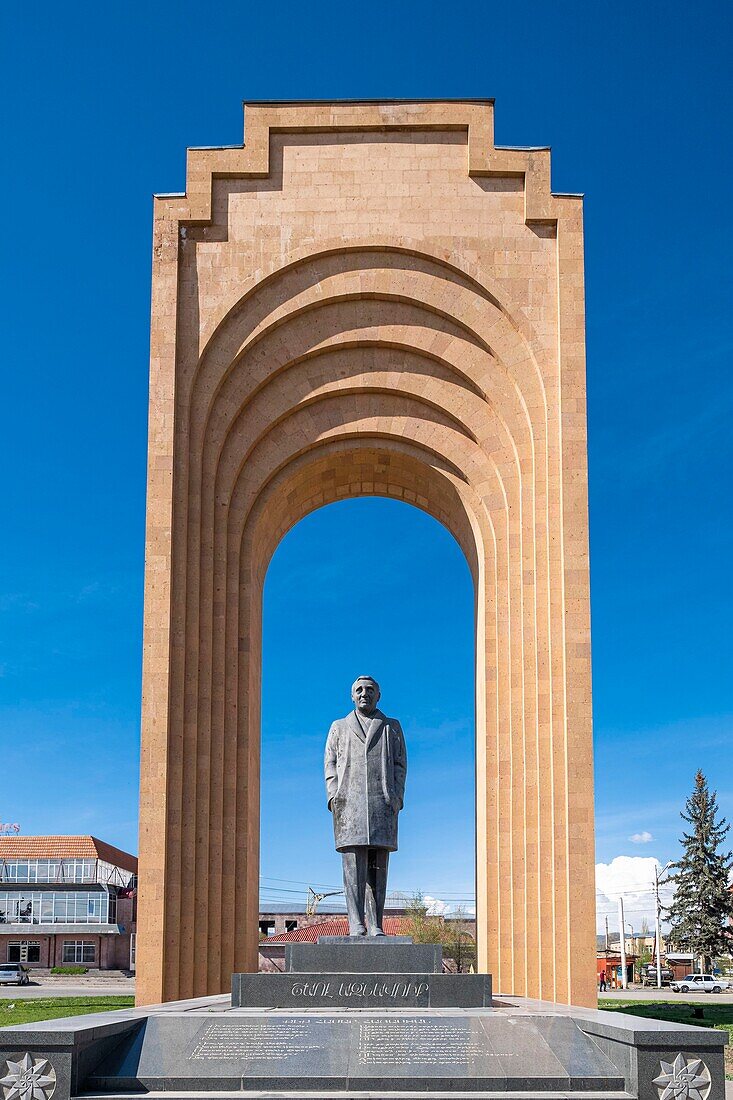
(377, 932)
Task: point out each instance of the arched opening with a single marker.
(368, 583)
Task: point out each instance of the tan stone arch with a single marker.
(367, 299)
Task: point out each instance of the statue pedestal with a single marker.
(362, 972)
(364, 955)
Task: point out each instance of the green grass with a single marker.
(713, 1015)
(52, 1008)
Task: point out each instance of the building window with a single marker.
(267, 928)
(60, 870)
(291, 925)
(58, 907)
(64, 870)
(78, 951)
(24, 951)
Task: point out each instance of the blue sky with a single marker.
(100, 103)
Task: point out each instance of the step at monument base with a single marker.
(371, 1095)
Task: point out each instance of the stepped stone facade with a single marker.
(367, 298)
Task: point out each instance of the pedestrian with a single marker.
(603, 981)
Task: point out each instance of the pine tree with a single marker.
(702, 908)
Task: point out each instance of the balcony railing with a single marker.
(92, 871)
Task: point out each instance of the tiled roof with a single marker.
(65, 847)
(339, 926)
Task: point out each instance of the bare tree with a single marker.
(455, 933)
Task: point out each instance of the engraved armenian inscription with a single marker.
(369, 990)
(375, 1041)
(258, 1040)
(416, 1042)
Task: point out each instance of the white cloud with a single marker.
(632, 878)
(641, 838)
(436, 907)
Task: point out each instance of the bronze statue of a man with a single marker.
(365, 769)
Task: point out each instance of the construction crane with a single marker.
(314, 898)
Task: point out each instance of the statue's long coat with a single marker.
(365, 780)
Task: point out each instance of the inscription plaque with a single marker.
(418, 1042)
(368, 989)
(377, 1043)
(381, 1042)
(256, 1039)
(262, 1051)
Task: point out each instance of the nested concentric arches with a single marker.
(377, 372)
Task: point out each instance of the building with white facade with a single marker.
(66, 901)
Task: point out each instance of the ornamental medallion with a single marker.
(27, 1079)
(683, 1080)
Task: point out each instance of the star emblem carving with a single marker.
(28, 1079)
(683, 1080)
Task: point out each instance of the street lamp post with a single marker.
(630, 926)
(658, 880)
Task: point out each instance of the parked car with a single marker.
(649, 975)
(700, 983)
(14, 974)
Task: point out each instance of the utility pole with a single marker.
(658, 920)
(622, 934)
(606, 935)
(658, 927)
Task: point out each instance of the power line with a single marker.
(433, 891)
(641, 887)
(288, 888)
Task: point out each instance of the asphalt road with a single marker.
(61, 989)
(666, 994)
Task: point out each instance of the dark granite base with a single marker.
(362, 955)
(369, 1053)
(520, 1049)
(370, 990)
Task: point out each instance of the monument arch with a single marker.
(367, 299)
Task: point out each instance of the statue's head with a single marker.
(365, 694)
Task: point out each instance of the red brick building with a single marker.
(272, 947)
(65, 901)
